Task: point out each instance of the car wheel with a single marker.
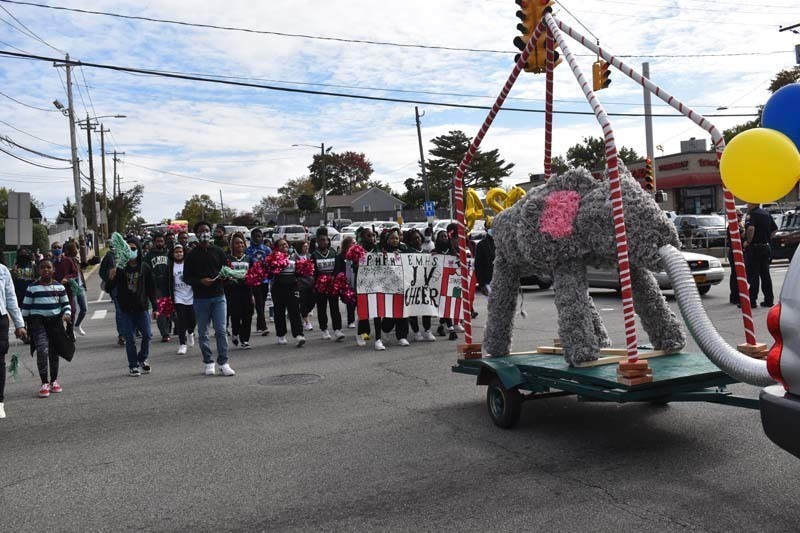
(704, 289)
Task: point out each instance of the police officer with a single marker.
(759, 229)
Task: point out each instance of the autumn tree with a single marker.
(342, 173)
(592, 154)
(200, 207)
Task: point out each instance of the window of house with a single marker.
(366, 208)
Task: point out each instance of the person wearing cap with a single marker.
(136, 292)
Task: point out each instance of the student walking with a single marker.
(257, 252)
(366, 238)
(105, 268)
(9, 313)
(64, 269)
(305, 285)
(136, 293)
(345, 265)
(239, 295)
(183, 297)
(286, 299)
(414, 242)
(201, 271)
(390, 244)
(158, 259)
(78, 301)
(45, 306)
(325, 265)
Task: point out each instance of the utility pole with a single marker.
(117, 190)
(76, 172)
(324, 185)
(105, 191)
(648, 122)
(422, 155)
(221, 206)
(92, 191)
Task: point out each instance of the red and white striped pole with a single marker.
(458, 181)
(616, 193)
(548, 107)
(719, 145)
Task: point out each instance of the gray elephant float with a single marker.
(559, 229)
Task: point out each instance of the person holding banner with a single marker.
(366, 239)
(414, 242)
(286, 298)
(345, 265)
(325, 265)
(390, 244)
(443, 245)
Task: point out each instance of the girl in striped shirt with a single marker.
(45, 305)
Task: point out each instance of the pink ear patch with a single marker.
(560, 210)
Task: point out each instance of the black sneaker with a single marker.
(146, 366)
(453, 336)
(121, 340)
(765, 304)
(440, 330)
(265, 333)
(235, 340)
(134, 372)
(245, 345)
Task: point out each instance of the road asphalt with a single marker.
(381, 441)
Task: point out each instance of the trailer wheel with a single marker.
(505, 405)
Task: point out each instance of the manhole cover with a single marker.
(291, 379)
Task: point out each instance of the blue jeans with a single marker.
(212, 310)
(80, 300)
(131, 322)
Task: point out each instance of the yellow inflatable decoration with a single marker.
(497, 198)
(760, 165)
(474, 208)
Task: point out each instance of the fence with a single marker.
(314, 219)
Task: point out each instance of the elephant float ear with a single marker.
(560, 211)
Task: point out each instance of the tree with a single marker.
(268, 206)
(68, 211)
(245, 219)
(289, 193)
(307, 203)
(487, 170)
(782, 78)
(558, 165)
(200, 207)
(124, 207)
(344, 173)
(592, 154)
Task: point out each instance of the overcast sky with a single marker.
(242, 137)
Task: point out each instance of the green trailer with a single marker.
(512, 380)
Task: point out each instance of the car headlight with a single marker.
(715, 263)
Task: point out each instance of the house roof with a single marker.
(347, 200)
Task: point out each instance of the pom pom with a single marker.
(343, 289)
(355, 254)
(304, 267)
(256, 274)
(166, 306)
(324, 285)
(275, 262)
(348, 295)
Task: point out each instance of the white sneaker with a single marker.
(418, 336)
(2, 410)
(300, 341)
(379, 345)
(326, 335)
(339, 335)
(182, 349)
(360, 341)
(191, 339)
(281, 340)
(402, 342)
(459, 328)
(351, 325)
(210, 370)
(227, 370)
(428, 336)
(80, 330)
(307, 326)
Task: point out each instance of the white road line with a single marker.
(100, 298)
(607, 309)
(99, 314)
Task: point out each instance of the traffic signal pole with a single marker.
(648, 121)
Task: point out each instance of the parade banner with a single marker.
(404, 285)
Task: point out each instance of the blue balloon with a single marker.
(782, 112)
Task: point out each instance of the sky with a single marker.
(182, 138)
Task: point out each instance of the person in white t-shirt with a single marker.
(183, 297)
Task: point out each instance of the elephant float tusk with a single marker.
(728, 359)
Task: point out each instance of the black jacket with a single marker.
(143, 294)
(484, 261)
(204, 263)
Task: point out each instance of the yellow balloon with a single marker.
(515, 194)
(760, 165)
(473, 209)
(496, 198)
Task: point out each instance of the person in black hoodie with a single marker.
(238, 294)
(136, 291)
(286, 297)
(158, 259)
(325, 264)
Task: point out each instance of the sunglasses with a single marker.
(55, 248)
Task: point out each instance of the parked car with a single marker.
(707, 271)
(331, 231)
(292, 234)
(701, 231)
(229, 230)
(785, 241)
(542, 282)
(414, 225)
(336, 240)
(441, 225)
(340, 223)
(385, 224)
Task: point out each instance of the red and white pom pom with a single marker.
(304, 267)
(324, 284)
(256, 274)
(165, 306)
(355, 253)
(276, 262)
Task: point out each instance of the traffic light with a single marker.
(531, 13)
(649, 178)
(601, 75)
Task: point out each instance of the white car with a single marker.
(380, 226)
(441, 225)
(707, 271)
(292, 234)
(336, 240)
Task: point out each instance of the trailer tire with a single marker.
(505, 405)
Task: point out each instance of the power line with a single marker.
(32, 135)
(328, 93)
(40, 154)
(31, 162)
(30, 31)
(200, 179)
(27, 105)
(14, 47)
(342, 39)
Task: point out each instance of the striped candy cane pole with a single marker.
(616, 193)
(548, 108)
(719, 145)
(458, 181)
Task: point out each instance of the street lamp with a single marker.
(322, 153)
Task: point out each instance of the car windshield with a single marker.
(711, 221)
(294, 229)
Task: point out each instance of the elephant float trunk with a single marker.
(734, 363)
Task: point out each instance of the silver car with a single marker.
(707, 271)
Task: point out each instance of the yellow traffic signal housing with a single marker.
(649, 178)
(531, 13)
(601, 75)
